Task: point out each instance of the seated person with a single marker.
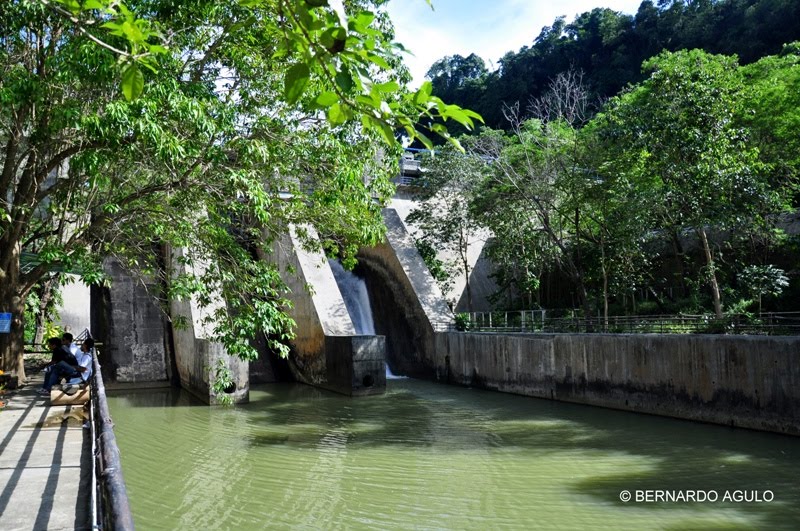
(60, 353)
(62, 365)
(84, 361)
(66, 340)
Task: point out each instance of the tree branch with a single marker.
(79, 26)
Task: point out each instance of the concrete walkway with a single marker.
(45, 463)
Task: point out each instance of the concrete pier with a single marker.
(45, 463)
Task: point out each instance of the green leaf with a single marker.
(337, 114)
(94, 4)
(344, 81)
(423, 93)
(249, 21)
(389, 86)
(387, 133)
(457, 114)
(326, 99)
(455, 142)
(362, 20)
(427, 142)
(132, 82)
(378, 60)
(295, 82)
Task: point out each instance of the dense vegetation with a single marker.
(609, 48)
(181, 137)
(677, 188)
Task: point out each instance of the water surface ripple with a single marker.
(428, 456)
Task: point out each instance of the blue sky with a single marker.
(489, 28)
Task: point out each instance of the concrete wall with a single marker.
(195, 350)
(132, 327)
(482, 285)
(747, 381)
(326, 352)
(406, 302)
(74, 313)
(355, 365)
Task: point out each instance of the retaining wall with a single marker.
(746, 381)
(131, 327)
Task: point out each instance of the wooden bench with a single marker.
(80, 397)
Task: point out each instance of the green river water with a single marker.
(429, 456)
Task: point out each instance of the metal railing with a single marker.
(110, 506)
(767, 323)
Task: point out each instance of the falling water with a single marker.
(356, 298)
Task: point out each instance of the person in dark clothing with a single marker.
(62, 365)
(60, 352)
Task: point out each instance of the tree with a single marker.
(219, 108)
(516, 247)
(541, 173)
(609, 47)
(763, 280)
(771, 111)
(443, 216)
(680, 122)
(452, 73)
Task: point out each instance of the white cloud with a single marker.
(488, 28)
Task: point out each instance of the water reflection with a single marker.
(436, 457)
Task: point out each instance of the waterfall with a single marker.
(356, 298)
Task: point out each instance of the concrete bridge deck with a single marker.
(45, 463)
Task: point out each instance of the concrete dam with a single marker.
(745, 381)
(338, 345)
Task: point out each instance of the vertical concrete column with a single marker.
(131, 326)
(318, 306)
(197, 354)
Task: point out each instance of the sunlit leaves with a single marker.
(326, 99)
(295, 82)
(132, 82)
(210, 127)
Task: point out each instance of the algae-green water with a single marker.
(429, 456)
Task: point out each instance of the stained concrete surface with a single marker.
(745, 381)
(45, 463)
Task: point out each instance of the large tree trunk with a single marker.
(11, 344)
(712, 274)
